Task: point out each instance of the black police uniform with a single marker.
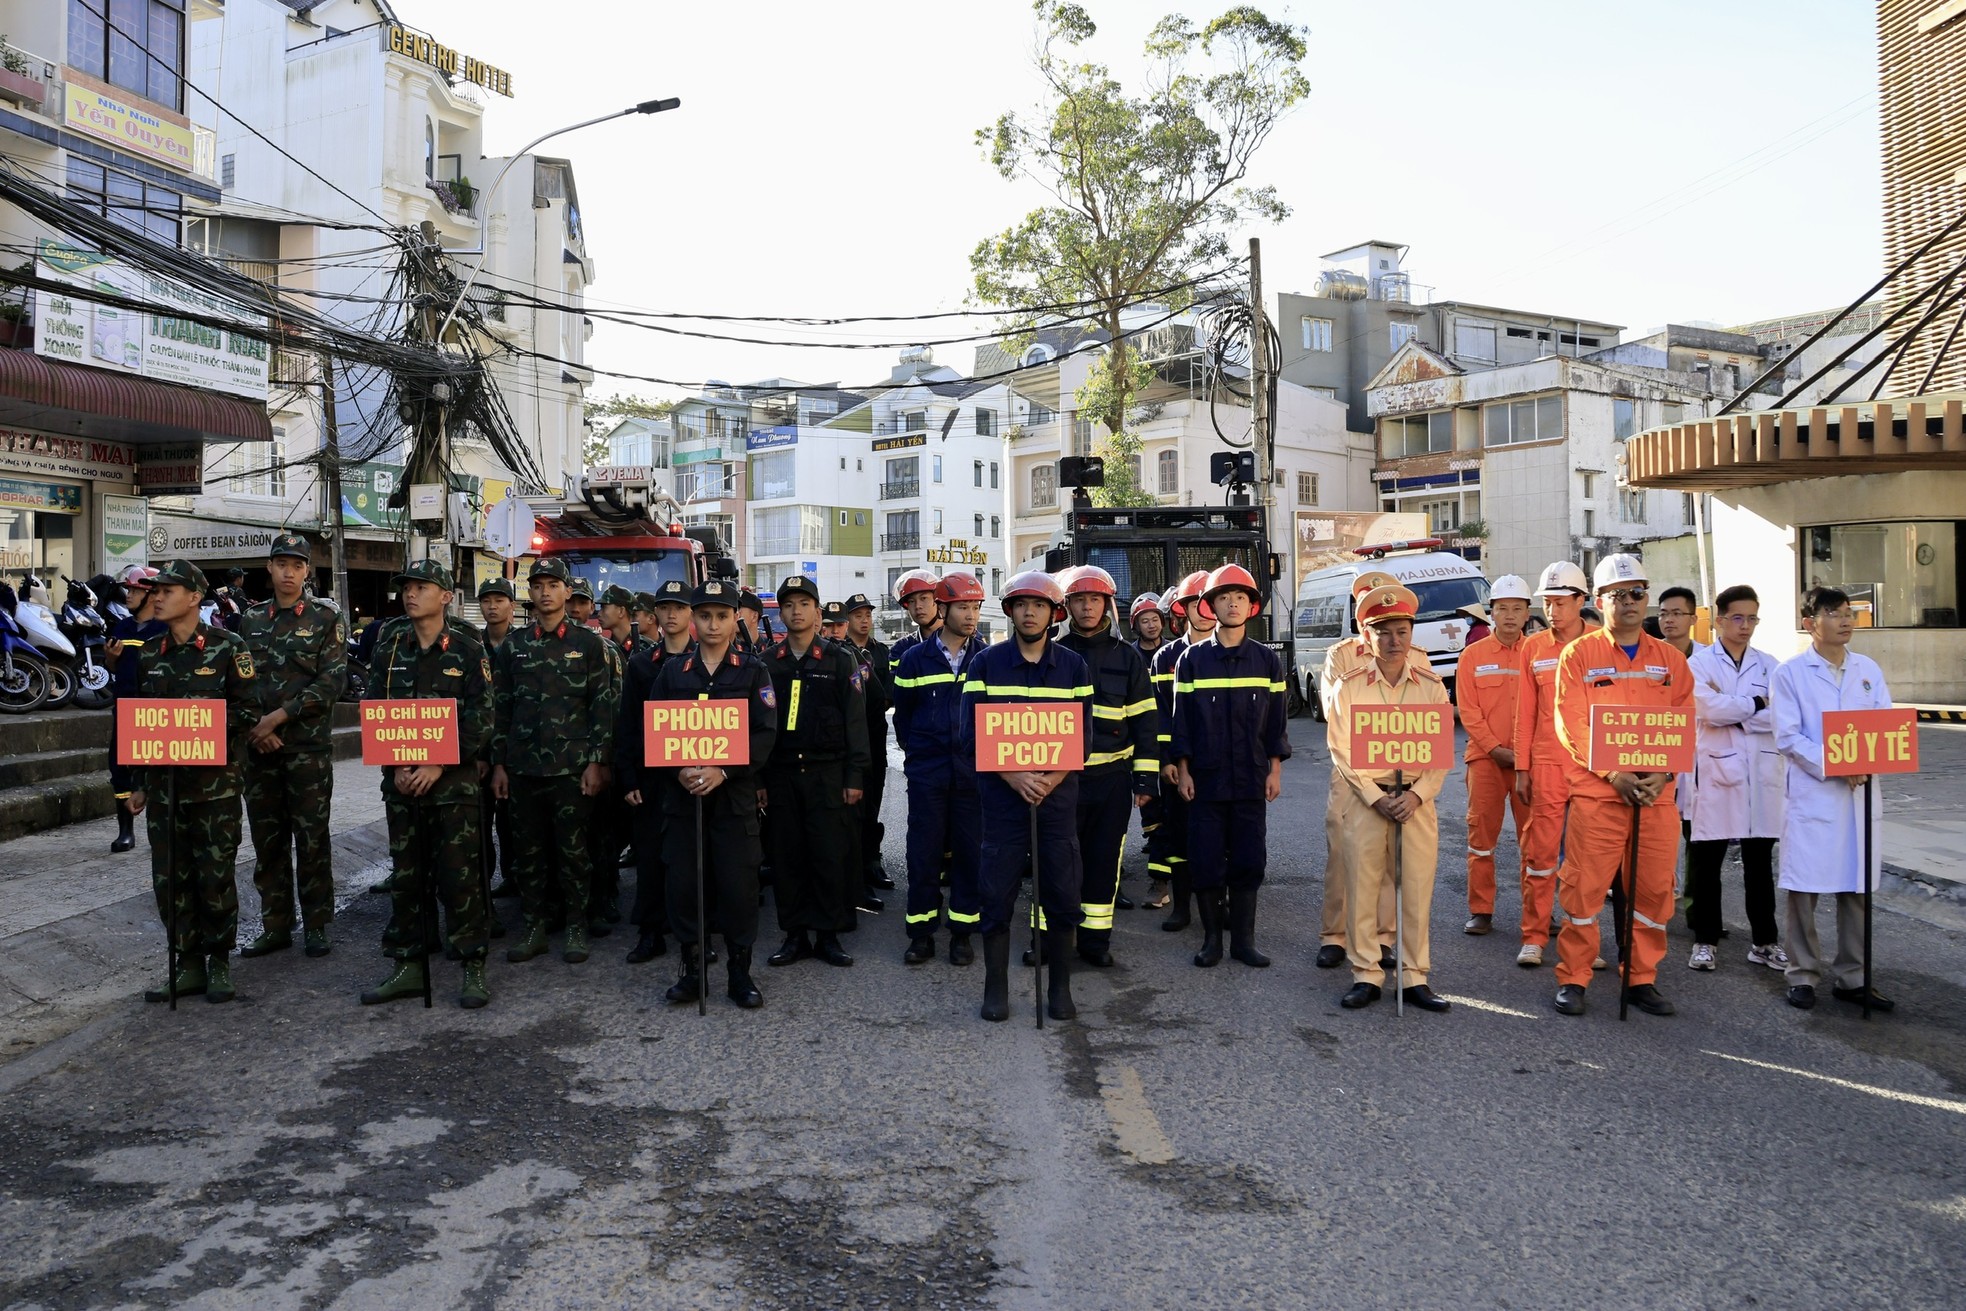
(649, 913)
(1122, 762)
(877, 687)
(820, 752)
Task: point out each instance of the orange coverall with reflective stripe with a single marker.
(1487, 685)
(1538, 751)
(1594, 670)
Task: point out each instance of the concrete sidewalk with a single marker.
(78, 924)
(1923, 833)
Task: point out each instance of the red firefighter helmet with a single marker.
(1035, 582)
(958, 587)
(1190, 589)
(1087, 580)
(915, 580)
(1143, 603)
(1234, 576)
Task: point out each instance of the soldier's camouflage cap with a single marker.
(424, 571)
(714, 592)
(616, 594)
(498, 587)
(798, 585)
(184, 574)
(581, 587)
(550, 566)
(858, 601)
(290, 544)
(749, 600)
(673, 592)
(833, 612)
(645, 602)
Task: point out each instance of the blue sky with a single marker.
(1632, 163)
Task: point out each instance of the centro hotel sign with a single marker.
(445, 60)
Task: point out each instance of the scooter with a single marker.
(23, 673)
(84, 624)
(37, 621)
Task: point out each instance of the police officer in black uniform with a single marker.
(669, 607)
(878, 689)
(714, 670)
(818, 766)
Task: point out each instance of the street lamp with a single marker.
(646, 107)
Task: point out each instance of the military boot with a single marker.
(533, 944)
(920, 949)
(996, 976)
(647, 948)
(740, 988)
(575, 950)
(190, 981)
(405, 981)
(1242, 928)
(126, 837)
(1209, 902)
(317, 942)
(218, 979)
(1059, 949)
(382, 887)
(960, 952)
(1177, 916)
(268, 942)
(474, 994)
(689, 986)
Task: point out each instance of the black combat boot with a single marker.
(1059, 948)
(741, 989)
(690, 985)
(647, 948)
(1177, 915)
(921, 949)
(996, 975)
(126, 837)
(1242, 928)
(1209, 900)
(960, 952)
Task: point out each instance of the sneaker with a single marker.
(1771, 955)
(1530, 956)
(1599, 963)
(1702, 957)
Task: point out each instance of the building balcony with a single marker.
(776, 548)
(901, 541)
(901, 490)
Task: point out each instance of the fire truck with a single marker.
(618, 525)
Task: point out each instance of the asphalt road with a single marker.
(1227, 1137)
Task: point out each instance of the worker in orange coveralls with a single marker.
(1487, 686)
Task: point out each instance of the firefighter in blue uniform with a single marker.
(1122, 767)
(943, 815)
(1229, 745)
(1167, 857)
(713, 670)
(1029, 666)
(915, 590)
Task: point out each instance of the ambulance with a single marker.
(1443, 581)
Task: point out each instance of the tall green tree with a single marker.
(1146, 186)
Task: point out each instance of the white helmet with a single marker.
(1510, 587)
(1561, 578)
(1617, 570)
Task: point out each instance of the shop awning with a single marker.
(74, 401)
(1755, 448)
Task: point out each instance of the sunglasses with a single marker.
(1626, 594)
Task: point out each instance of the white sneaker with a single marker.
(1530, 956)
(1702, 957)
(1771, 955)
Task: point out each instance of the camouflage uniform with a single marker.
(301, 653)
(202, 818)
(556, 694)
(495, 816)
(438, 834)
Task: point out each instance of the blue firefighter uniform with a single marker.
(998, 674)
(944, 820)
(1167, 840)
(1122, 761)
(1229, 717)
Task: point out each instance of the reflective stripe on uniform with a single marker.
(792, 711)
(1095, 917)
(925, 680)
(1477, 851)
(926, 917)
(1146, 765)
(1057, 693)
(1650, 924)
(957, 917)
(1264, 683)
(1108, 757)
(1537, 873)
(1108, 712)
(1583, 923)
(1141, 708)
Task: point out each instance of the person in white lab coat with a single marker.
(1738, 782)
(1822, 834)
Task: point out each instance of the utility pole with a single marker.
(1259, 376)
(426, 266)
(331, 479)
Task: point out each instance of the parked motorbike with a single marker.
(23, 673)
(38, 622)
(85, 625)
(357, 685)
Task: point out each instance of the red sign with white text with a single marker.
(1018, 736)
(410, 731)
(1641, 739)
(161, 731)
(1403, 737)
(679, 734)
(1870, 742)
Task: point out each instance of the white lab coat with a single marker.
(1738, 775)
(1822, 836)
